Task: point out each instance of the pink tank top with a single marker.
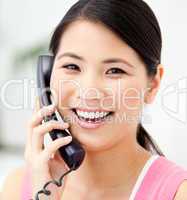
(160, 178)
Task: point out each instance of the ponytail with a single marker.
(146, 141)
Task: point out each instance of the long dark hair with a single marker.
(135, 23)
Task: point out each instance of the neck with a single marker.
(115, 168)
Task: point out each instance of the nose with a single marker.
(91, 99)
(93, 93)
(91, 87)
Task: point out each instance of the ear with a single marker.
(153, 85)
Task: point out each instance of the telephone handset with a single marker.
(72, 153)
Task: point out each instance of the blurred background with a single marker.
(25, 30)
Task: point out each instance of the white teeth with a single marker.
(98, 115)
(102, 114)
(91, 115)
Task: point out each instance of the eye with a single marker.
(116, 71)
(71, 67)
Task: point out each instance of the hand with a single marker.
(45, 163)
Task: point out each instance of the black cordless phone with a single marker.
(72, 153)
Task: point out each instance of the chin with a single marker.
(96, 148)
(100, 139)
(96, 142)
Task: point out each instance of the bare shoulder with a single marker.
(12, 184)
(181, 193)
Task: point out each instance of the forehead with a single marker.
(94, 40)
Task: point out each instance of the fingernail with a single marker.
(66, 125)
(68, 138)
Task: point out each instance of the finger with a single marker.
(38, 117)
(55, 145)
(40, 131)
(30, 122)
(36, 120)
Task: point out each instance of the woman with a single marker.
(111, 49)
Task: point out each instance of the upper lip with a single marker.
(92, 110)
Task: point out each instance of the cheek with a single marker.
(130, 99)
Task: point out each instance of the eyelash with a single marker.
(122, 71)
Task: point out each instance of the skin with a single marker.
(113, 159)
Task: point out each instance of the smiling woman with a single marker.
(101, 45)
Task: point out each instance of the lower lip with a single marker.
(89, 125)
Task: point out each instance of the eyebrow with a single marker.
(107, 61)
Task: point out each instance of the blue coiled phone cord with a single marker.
(57, 183)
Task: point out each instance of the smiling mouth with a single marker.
(93, 118)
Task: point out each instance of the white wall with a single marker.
(169, 112)
(24, 23)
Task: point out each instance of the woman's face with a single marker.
(95, 69)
